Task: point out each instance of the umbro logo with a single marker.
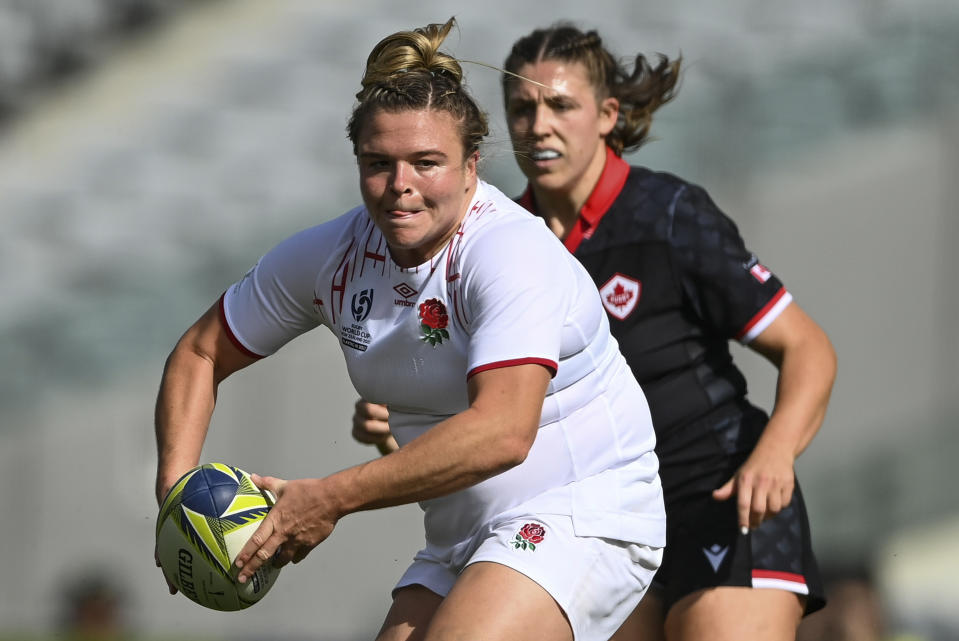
(715, 555)
(406, 292)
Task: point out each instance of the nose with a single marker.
(400, 179)
(541, 120)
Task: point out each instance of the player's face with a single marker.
(558, 127)
(414, 180)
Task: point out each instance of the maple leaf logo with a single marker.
(620, 294)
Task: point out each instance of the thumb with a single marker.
(726, 491)
(270, 483)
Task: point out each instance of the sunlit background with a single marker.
(151, 150)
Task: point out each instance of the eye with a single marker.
(425, 164)
(519, 108)
(560, 105)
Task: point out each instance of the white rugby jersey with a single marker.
(504, 291)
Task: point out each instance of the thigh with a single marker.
(493, 602)
(410, 615)
(646, 621)
(595, 583)
(735, 614)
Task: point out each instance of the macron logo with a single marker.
(715, 554)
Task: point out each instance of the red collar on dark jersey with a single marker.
(610, 183)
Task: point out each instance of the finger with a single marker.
(743, 506)
(723, 493)
(269, 483)
(369, 433)
(169, 585)
(774, 504)
(363, 410)
(758, 508)
(359, 407)
(266, 553)
(387, 447)
(250, 551)
(787, 493)
(379, 412)
(156, 559)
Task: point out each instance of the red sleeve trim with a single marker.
(545, 362)
(782, 576)
(761, 314)
(229, 332)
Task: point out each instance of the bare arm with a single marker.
(494, 434)
(202, 358)
(806, 360)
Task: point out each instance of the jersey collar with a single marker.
(603, 196)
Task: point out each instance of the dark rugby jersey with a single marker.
(678, 283)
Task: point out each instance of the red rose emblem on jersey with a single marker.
(529, 536)
(433, 321)
(433, 314)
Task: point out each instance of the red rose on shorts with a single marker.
(433, 321)
(529, 535)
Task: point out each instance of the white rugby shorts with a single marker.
(597, 582)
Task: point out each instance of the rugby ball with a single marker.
(205, 520)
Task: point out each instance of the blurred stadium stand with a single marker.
(44, 41)
(150, 150)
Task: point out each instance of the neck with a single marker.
(560, 207)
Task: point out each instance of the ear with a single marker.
(608, 114)
(471, 161)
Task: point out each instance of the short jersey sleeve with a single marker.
(273, 303)
(728, 288)
(516, 306)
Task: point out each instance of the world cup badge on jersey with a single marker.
(620, 295)
(355, 334)
(361, 304)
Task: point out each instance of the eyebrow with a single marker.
(415, 155)
(552, 101)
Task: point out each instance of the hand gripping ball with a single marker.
(205, 520)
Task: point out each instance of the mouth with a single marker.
(401, 213)
(543, 155)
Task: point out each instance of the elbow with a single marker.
(516, 456)
(817, 354)
(830, 361)
(513, 449)
(834, 364)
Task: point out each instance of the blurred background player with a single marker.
(678, 284)
(94, 607)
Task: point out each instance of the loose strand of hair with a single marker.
(504, 71)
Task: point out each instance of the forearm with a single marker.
(493, 435)
(203, 357)
(806, 377)
(183, 410)
(455, 454)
